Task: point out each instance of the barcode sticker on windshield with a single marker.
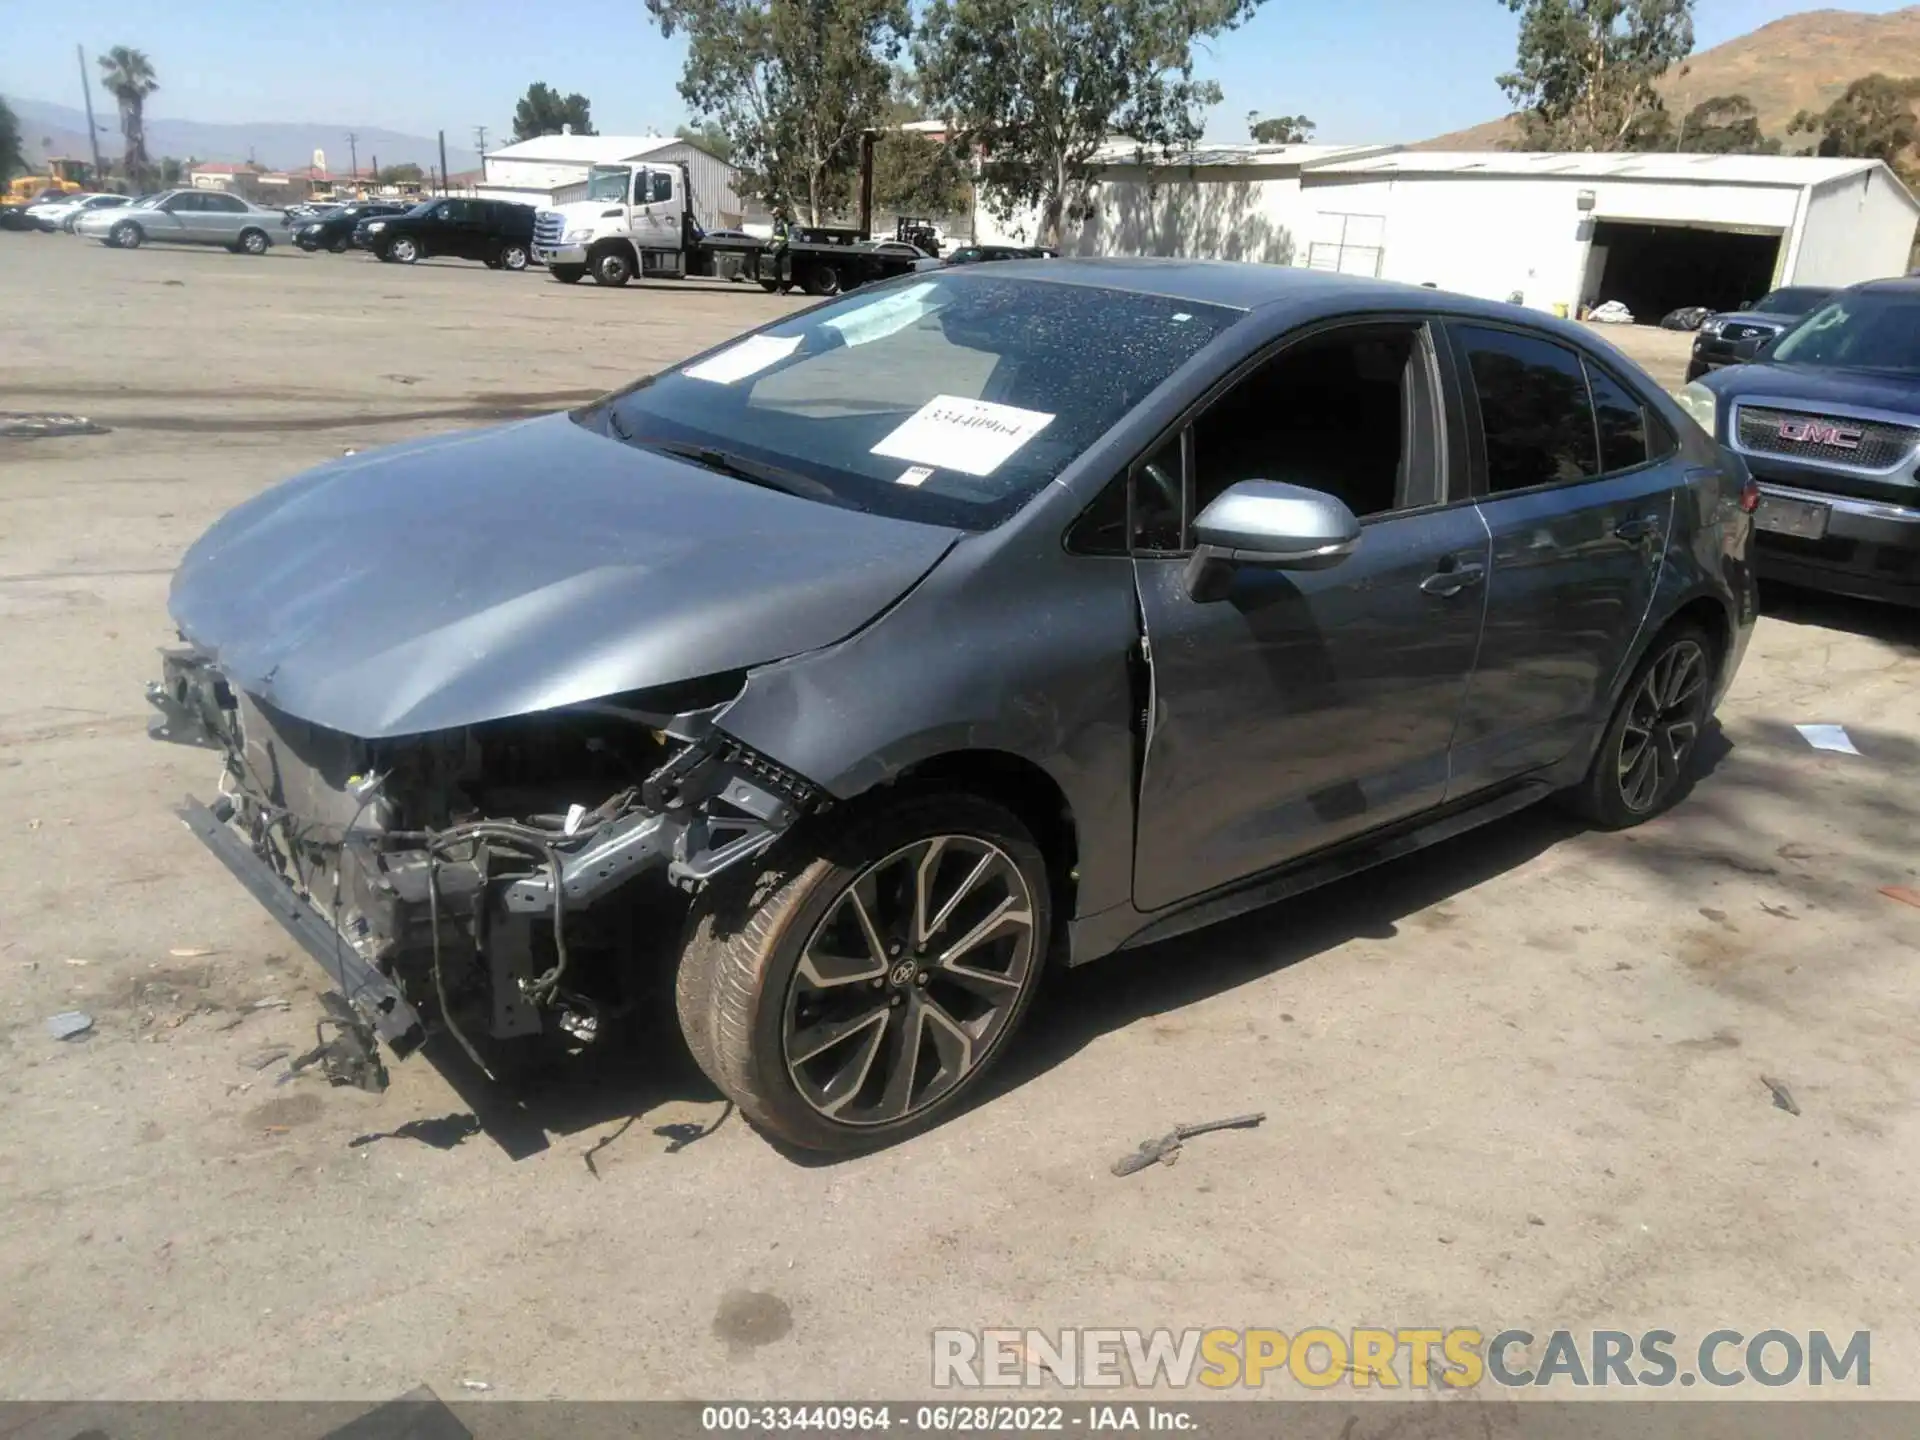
(914, 475)
(975, 437)
(749, 357)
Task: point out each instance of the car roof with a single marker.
(1237, 284)
(1895, 285)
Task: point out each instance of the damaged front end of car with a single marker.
(494, 881)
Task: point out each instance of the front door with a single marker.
(656, 209)
(177, 218)
(1579, 479)
(1304, 707)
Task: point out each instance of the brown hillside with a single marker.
(1801, 62)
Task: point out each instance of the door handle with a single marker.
(1637, 528)
(1454, 580)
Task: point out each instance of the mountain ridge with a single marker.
(1798, 62)
(278, 145)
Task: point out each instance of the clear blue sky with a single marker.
(1364, 69)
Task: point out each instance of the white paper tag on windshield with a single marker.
(975, 437)
(749, 357)
(884, 316)
(914, 475)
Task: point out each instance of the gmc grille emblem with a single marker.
(1818, 432)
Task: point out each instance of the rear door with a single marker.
(223, 217)
(1300, 708)
(1577, 479)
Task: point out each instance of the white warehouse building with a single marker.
(534, 172)
(1561, 231)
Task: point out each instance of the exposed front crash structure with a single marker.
(493, 879)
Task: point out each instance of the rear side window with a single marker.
(1623, 423)
(230, 204)
(1534, 409)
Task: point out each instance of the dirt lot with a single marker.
(1515, 1082)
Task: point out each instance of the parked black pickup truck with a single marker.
(1828, 421)
(497, 232)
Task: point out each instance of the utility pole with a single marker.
(443, 162)
(353, 152)
(480, 142)
(93, 131)
(373, 171)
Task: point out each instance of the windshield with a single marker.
(607, 182)
(950, 400)
(1791, 301)
(1863, 331)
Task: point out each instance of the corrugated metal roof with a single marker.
(1283, 157)
(1789, 170)
(584, 149)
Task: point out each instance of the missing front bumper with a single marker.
(374, 997)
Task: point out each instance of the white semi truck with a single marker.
(638, 220)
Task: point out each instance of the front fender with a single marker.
(997, 651)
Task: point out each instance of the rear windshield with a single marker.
(950, 397)
(1863, 331)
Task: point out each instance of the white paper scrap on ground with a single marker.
(915, 475)
(975, 437)
(1828, 737)
(884, 316)
(749, 357)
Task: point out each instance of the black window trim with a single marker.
(1476, 436)
(1451, 461)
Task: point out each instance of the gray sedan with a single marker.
(188, 217)
(1000, 618)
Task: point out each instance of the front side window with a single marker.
(1339, 413)
(659, 186)
(1534, 410)
(1862, 331)
(950, 398)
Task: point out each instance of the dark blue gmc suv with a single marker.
(1827, 418)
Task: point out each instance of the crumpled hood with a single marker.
(496, 572)
(1815, 385)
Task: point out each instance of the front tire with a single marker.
(857, 993)
(612, 266)
(402, 251)
(1644, 763)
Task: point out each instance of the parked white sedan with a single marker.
(187, 217)
(63, 213)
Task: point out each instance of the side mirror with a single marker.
(1269, 524)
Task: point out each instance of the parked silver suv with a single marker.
(187, 217)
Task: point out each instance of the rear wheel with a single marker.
(1645, 757)
(252, 242)
(339, 247)
(858, 992)
(612, 266)
(821, 279)
(125, 236)
(567, 274)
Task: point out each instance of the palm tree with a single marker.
(129, 78)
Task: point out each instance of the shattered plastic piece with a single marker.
(1782, 1097)
(272, 1002)
(475, 1385)
(190, 952)
(69, 1024)
(575, 814)
(16, 425)
(1903, 894)
(1828, 737)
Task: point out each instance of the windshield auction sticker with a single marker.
(975, 437)
(749, 357)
